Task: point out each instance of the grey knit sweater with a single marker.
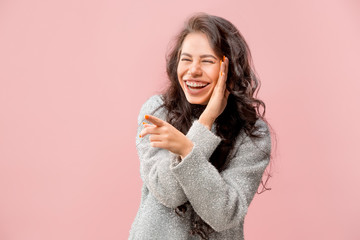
(220, 199)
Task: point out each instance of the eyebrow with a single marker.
(201, 56)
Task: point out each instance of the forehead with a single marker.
(197, 43)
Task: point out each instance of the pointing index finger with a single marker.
(154, 120)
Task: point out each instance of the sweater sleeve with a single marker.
(222, 199)
(155, 162)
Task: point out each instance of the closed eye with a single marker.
(208, 61)
(185, 59)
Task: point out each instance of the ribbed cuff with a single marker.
(205, 142)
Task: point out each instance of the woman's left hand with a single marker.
(164, 135)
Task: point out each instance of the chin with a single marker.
(198, 101)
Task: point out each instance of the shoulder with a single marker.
(152, 106)
(153, 102)
(261, 128)
(261, 141)
(263, 134)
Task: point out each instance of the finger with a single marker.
(154, 120)
(146, 125)
(221, 84)
(222, 68)
(149, 130)
(226, 75)
(221, 72)
(155, 138)
(226, 66)
(158, 144)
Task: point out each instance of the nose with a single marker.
(195, 69)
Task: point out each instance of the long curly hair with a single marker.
(243, 109)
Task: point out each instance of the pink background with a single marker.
(74, 74)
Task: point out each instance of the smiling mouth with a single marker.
(195, 85)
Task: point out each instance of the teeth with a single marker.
(195, 84)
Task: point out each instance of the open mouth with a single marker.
(196, 85)
(196, 88)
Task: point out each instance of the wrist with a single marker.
(206, 120)
(187, 149)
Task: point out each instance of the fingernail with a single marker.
(221, 74)
(144, 123)
(224, 58)
(139, 135)
(146, 116)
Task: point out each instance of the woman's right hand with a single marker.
(218, 99)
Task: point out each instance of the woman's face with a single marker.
(198, 68)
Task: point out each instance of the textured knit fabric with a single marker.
(220, 199)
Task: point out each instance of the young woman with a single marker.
(203, 145)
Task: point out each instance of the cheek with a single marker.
(179, 78)
(214, 75)
(178, 74)
(179, 71)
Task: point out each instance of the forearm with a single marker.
(220, 200)
(229, 193)
(155, 173)
(155, 163)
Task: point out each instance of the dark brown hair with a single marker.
(242, 109)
